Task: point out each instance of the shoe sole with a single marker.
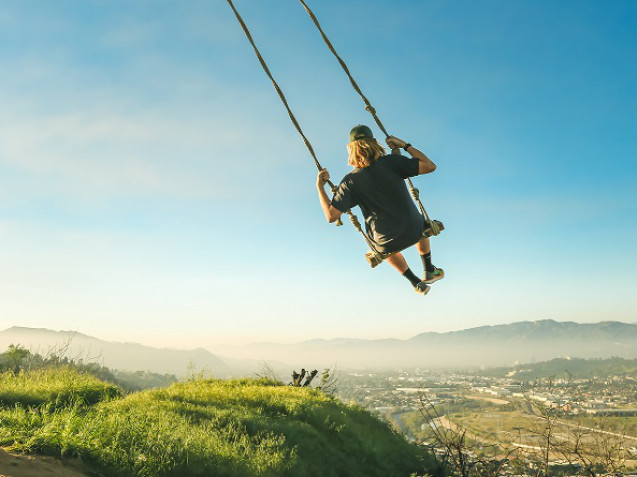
(433, 280)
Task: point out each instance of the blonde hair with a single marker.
(364, 152)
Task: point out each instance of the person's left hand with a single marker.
(394, 143)
(322, 178)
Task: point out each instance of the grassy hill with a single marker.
(576, 368)
(202, 427)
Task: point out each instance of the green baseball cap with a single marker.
(360, 132)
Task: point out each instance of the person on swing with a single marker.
(377, 186)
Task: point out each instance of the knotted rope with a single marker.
(368, 106)
(351, 215)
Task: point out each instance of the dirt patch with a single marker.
(499, 402)
(19, 465)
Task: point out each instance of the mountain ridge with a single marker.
(124, 356)
(487, 345)
(484, 346)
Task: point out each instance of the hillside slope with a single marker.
(569, 368)
(121, 356)
(201, 428)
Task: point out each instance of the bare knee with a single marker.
(424, 246)
(397, 261)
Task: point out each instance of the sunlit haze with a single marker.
(153, 189)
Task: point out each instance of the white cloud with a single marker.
(81, 153)
(148, 126)
(131, 34)
(114, 150)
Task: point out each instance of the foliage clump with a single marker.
(17, 359)
(54, 387)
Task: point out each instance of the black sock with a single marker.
(426, 262)
(409, 275)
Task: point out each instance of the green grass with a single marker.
(200, 428)
(54, 386)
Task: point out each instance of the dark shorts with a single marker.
(411, 235)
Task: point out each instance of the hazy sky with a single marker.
(153, 189)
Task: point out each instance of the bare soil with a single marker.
(20, 465)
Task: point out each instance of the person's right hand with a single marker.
(322, 178)
(394, 143)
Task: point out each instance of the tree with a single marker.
(17, 356)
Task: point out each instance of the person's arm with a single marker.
(425, 165)
(331, 213)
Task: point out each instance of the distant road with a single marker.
(397, 419)
(592, 429)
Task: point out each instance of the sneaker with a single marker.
(422, 288)
(437, 274)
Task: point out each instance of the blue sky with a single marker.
(152, 188)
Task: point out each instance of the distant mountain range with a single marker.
(123, 356)
(528, 341)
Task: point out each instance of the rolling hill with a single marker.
(123, 356)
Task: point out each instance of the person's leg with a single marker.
(397, 261)
(423, 246)
(432, 273)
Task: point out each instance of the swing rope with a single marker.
(368, 107)
(351, 215)
(277, 88)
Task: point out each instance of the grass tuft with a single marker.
(57, 386)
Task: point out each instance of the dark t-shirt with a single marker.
(392, 219)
